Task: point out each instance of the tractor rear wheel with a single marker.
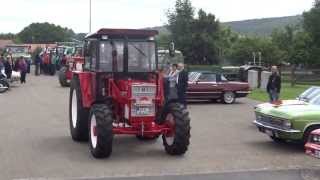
(78, 115)
(177, 142)
(63, 78)
(100, 132)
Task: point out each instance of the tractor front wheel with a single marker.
(63, 78)
(100, 132)
(177, 117)
(78, 115)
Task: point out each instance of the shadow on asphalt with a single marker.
(286, 147)
(203, 102)
(124, 148)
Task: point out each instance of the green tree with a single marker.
(44, 33)
(197, 38)
(180, 22)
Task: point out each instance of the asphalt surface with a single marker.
(35, 143)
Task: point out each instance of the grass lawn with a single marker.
(287, 92)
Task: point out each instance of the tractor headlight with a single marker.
(287, 124)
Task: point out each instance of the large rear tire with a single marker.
(4, 86)
(78, 115)
(63, 78)
(178, 141)
(101, 135)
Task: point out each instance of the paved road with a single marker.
(35, 141)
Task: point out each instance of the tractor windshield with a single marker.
(141, 57)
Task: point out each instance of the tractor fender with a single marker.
(85, 79)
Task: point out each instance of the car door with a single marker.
(205, 86)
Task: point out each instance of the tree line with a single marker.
(203, 40)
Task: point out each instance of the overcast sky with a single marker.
(16, 14)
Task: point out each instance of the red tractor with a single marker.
(120, 91)
(70, 63)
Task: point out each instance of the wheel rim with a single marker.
(229, 97)
(170, 137)
(93, 131)
(74, 112)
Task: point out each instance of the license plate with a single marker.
(143, 111)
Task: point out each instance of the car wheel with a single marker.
(4, 86)
(229, 97)
(308, 132)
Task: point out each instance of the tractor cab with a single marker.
(121, 51)
(120, 91)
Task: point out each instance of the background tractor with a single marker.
(120, 91)
(71, 60)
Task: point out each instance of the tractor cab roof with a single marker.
(123, 33)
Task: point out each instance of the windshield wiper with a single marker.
(139, 50)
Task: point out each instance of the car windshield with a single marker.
(309, 94)
(18, 49)
(315, 100)
(193, 76)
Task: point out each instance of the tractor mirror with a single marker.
(172, 49)
(86, 48)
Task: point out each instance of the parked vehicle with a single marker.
(4, 84)
(73, 63)
(120, 91)
(290, 120)
(313, 145)
(214, 86)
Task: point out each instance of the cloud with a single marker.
(16, 14)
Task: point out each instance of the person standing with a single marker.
(274, 85)
(172, 82)
(23, 68)
(182, 84)
(37, 62)
(8, 67)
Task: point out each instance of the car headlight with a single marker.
(287, 123)
(316, 138)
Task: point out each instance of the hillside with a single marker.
(262, 27)
(259, 27)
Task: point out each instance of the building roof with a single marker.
(130, 33)
(4, 43)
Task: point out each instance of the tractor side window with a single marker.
(141, 57)
(111, 56)
(93, 56)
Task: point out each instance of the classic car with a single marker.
(214, 86)
(313, 145)
(290, 120)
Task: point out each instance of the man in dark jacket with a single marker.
(274, 85)
(182, 84)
